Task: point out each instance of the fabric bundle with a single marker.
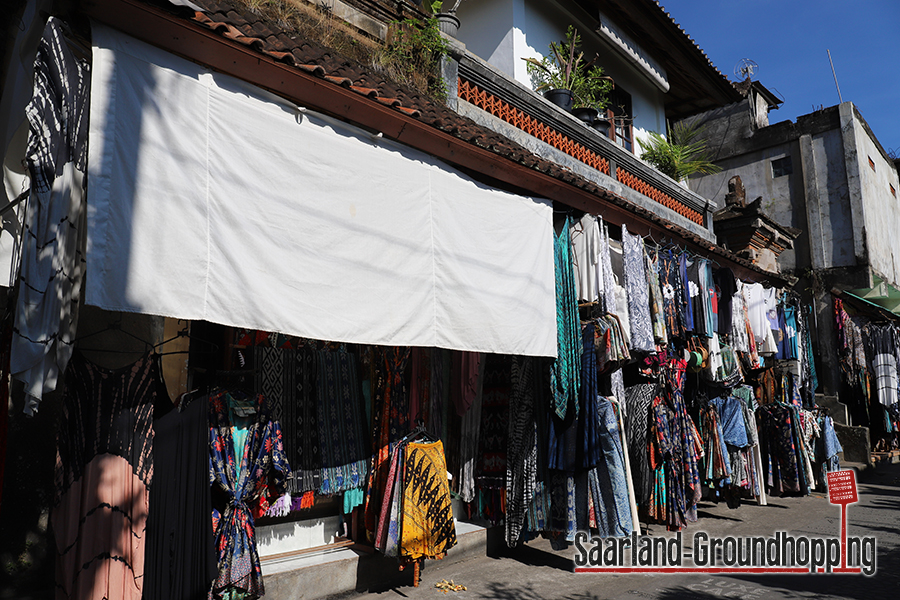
(416, 518)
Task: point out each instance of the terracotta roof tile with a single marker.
(341, 81)
(392, 102)
(311, 69)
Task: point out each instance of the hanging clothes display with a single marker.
(779, 447)
(673, 295)
(469, 438)
(638, 400)
(104, 470)
(388, 532)
(5, 342)
(638, 293)
(52, 253)
(180, 558)
(675, 452)
(726, 288)
(420, 385)
(884, 362)
(416, 518)
(608, 483)
(495, 417)
(246, 462)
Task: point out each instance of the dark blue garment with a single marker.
(587, 416)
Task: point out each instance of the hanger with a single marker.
(114, 326)
(210, 346)
(417, 432)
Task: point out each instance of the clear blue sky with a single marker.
(788, 40)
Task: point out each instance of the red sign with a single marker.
(842, 487)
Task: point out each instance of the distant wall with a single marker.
(828, 197)
(880, 207)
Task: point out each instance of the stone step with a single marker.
(343, 570)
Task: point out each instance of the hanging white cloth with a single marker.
(52, 253)
(214, 200)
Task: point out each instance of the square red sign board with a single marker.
(842, 487)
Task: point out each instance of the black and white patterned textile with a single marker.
(53, 235)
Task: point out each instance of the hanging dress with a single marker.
(104, 468)
(181, 560)
(242, 480)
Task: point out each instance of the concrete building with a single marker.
(827, 176)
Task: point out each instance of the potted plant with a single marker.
(447, 21)
(681, 155)
(566, 79)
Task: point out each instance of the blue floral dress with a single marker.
(262, 465)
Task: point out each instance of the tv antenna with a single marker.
(745, 68)
(833, 74)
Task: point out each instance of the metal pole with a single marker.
(833, 74)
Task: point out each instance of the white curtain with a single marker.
(211, 199)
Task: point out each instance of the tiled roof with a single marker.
(254, 31)
(687, 36)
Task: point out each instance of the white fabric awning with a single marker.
(211, 199)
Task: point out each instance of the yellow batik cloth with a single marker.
(427, 529)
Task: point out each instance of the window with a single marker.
(893, 191)
(782, 166)
(871, 163)
(618, 112)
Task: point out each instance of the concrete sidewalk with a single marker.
(536, 571)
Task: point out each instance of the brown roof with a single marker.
(256, 33)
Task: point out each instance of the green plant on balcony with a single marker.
(565, 68)
(437, 7)
(681, 155)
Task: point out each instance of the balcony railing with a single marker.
(482, 86)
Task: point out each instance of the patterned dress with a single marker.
(104, 468)
(242, 480)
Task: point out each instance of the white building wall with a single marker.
(486, 28)
(881, 208)
(514, 29)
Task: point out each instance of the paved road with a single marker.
(535, 571)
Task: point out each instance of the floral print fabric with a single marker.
(243, 481)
